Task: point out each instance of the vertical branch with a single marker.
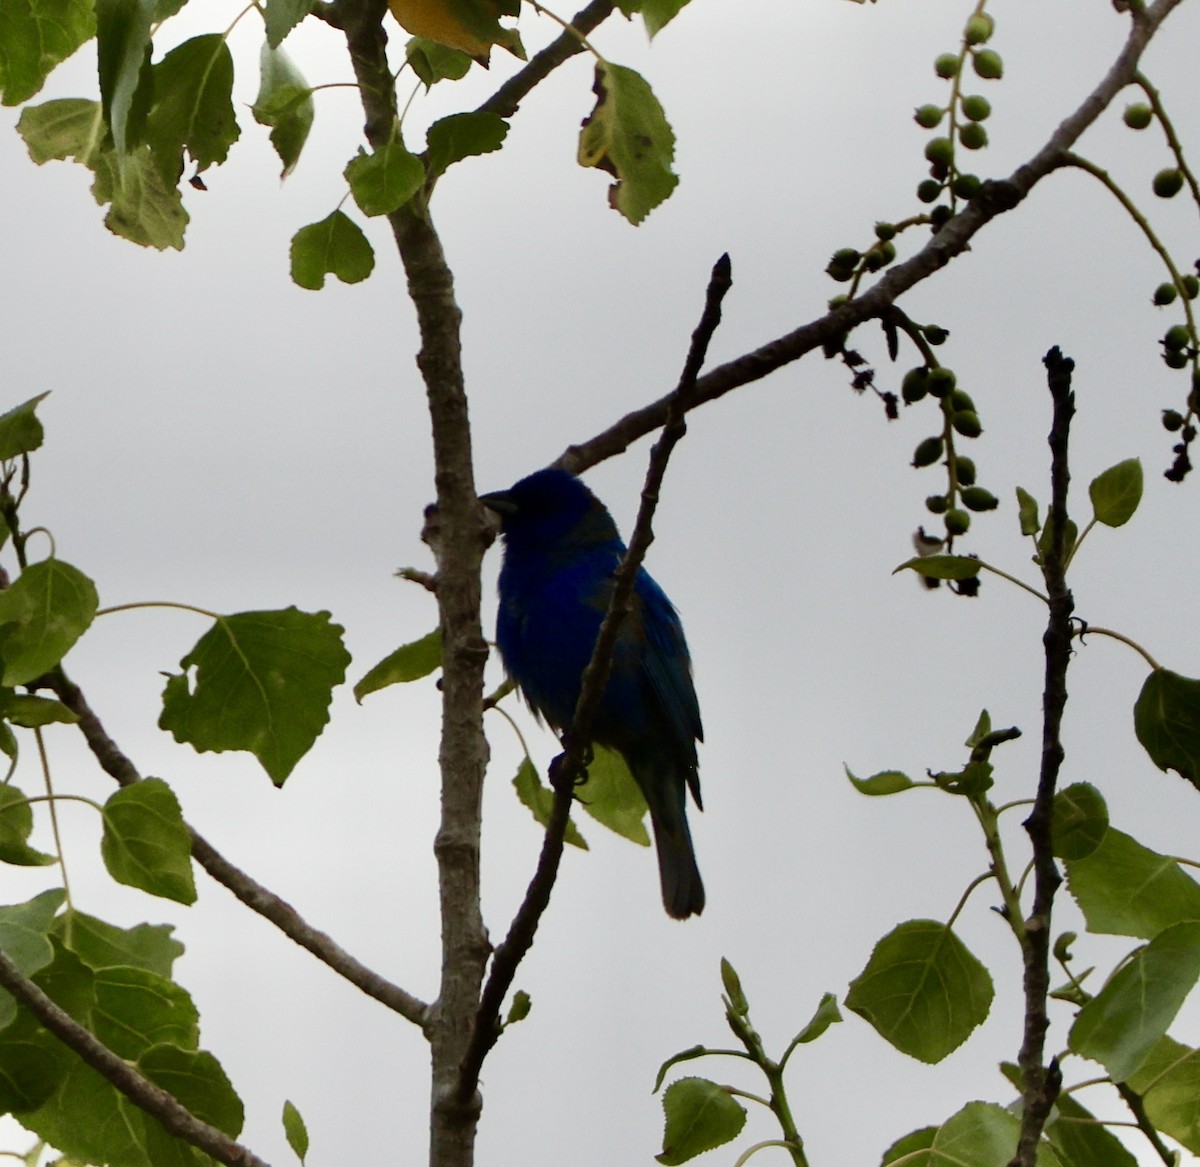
(1041, 1082)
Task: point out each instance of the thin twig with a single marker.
(1042, 1083)
(256, 897)
(570, 766)
(995, 198)
(175, 1118)
(1136, 1107)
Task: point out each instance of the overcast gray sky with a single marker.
(220, 437)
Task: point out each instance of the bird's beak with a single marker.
(500, 502)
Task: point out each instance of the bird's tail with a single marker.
(682, 887)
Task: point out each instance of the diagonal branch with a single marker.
(256, 897)
(995, 198)
(154, 1100)
(570, 766)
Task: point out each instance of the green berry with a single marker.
(841, 266)
(940, 215)
(880, 256)
(928, 116)
(885, 231)
(973, 136)
(1138, 115)
(947, 65)
(1165, 294)
(976, 108)
(915, 385)
(835, 302)
(966, 186)
(929, 190)
(965, 470)
(1176, 338)
(967, 423)
(941, 382)
(936, 504)
(935, 334)
(1172, 420)
(1168, 183)
(928, 452)
(960, 401)
(988, 65)
(979, 29)
(939, 151)
(1191, 287)
(957, 522)
(1175, 359)
(975, 498)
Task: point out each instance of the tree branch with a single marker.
(256, 897)
(175, 1118)
(995, 198)
(570, 766)
(1042, 1083)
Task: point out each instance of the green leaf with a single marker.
(1169, 1083)
(885, 782)
(627, 135)
(24, 941)
(826, 1015)
(540, 799)
(69, 127)
(922, 990)
(20, 430)
(1115, 494)
(284, 103)
(147, 208)
(134, 1010)
(43, 613)
(612, 798)
(101, 945)
(384, 181)
(700, 1116)
(296, 1131)
(432, 62)
(462, 135)
(281, 16)
(1166, 719)
(687, 1055)
(37, 36)
(196, 1078)
(16, 824)
(193, 107)
(1046, 539)
(122, 50)
(1079, 1139)
(263, 683)
(1125, 889)
(942, 566)
(1078, 821)
(30, 1067)
(982, 1135)
(410, 662)
(31, 712)
(909, 1146)
(146, 843)
(657, 14)
(334, 246)
(1027, 512)
(1124, 1021)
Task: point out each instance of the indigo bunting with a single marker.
(561, 548)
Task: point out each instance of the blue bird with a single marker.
(561, 548)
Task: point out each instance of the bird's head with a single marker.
(550, 507)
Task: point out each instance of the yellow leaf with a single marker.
(471, 26)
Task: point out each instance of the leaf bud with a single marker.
(976, 108)
(946, 65)
(1165, 294)
(941, 381)
(915, 385)
(973, 136)
(965, 471)
(936, 504)
(1176, 338)
(1168, 183)
(1172, 420)
(928, 190)
(927, 452)
(1138, 115)
(957, 522)
(967, 423)
(975, 498)
(988, 65)
(979, 29)
(928, 116)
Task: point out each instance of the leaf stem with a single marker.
(1093, 630)
(136, 605)
(50, 796)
